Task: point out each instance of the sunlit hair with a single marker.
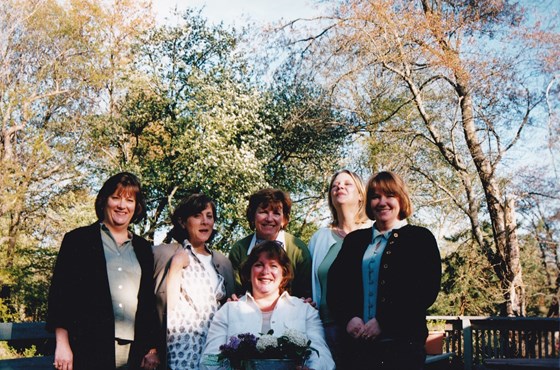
(266, 197)
(273, 250)
(192, 205)
(389, 183)
(361, 216)
(121, 183)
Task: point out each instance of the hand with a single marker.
(371, 330)
(63, 356)
(233, 298)
(310, 301)
(355, 327)
(180, 259)
(150, 360)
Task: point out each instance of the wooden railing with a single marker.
(472, 340)
(24, 335)
(476, 339)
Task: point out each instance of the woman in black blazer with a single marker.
(101, 301)
(383, 281)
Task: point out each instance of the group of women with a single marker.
(359, 291)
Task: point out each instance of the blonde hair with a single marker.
(361, 216)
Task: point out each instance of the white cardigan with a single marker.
(244, 316)
(319, 245)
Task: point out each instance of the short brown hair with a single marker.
(273, 250)
(128, 183)
(388, 182)
(265, 197)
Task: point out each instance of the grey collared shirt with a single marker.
(124, 272)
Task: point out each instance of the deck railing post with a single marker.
(467, 343)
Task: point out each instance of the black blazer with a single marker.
(409, 281)
(80, 300)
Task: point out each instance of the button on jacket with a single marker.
(409, 281)
(80, 301)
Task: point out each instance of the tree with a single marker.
(540, 207)
(195, 120)
(457, 81)
(51, 77)
(307, 142)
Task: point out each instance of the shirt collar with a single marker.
(281, 238)
(188, 245)
(387, 234)
(248, 296)
(108, 232)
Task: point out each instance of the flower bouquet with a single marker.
(242, 349)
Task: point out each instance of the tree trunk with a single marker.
(502, 212)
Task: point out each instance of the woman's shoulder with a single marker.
(82, 230)
(141, 241)
(360, 233)
(243, 242)
(294, 241)
(323, 232)
(322, 238)
(298, 303)
(165, 251)
(417, 231)
(241, 304)
(219, 257)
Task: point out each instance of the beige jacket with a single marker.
(162, 261)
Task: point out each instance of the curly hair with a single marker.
(265, 197)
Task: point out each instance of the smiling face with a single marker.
(266, 277)
(199, 226)
(119, 210)
(269, 221)
(385, 209)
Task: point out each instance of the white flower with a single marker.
(266, 341)
(296, 337)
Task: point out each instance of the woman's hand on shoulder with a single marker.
(180, 259)
(233, 298)
(310, 301)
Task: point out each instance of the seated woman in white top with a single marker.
(267, 305)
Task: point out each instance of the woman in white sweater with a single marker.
(346, 198)
(267, 305)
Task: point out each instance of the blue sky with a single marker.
(238, 12)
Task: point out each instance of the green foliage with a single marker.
(195, 122)
(90, 88)
(7, 352)
(50, 83)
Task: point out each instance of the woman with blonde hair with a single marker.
(346, 198)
